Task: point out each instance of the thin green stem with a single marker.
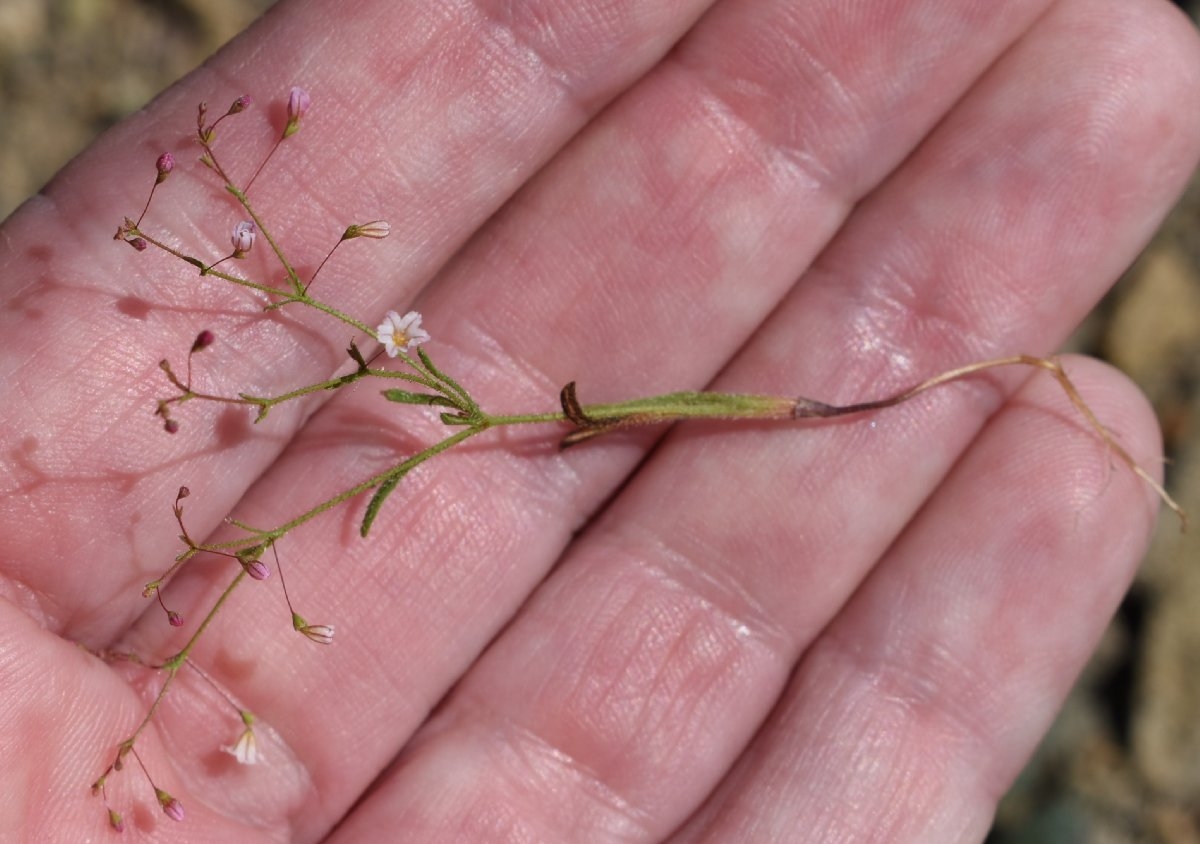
(174, 662)
(205, 269)
(525, 419)
(287, 297)
(265, 403)
(358, 489)
(172, 665)
(305, 299)
(293, 277)
(668, 407)
(250, 183)
(671, 407)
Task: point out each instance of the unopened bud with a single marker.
(171, 807)
(138, 243)
(240, 104)
(174, 618)
(203, 340)
(165, 164)
(257, 569)
(171, 426)
(297, 106)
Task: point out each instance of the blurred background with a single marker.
(1122, 763)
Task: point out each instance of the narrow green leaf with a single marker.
(381, 494)
(443, 377)
(405, 397)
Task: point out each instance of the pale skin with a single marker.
(852, 630)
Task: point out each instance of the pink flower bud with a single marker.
(184, 492)
(116, 821)
(203, 340)
(174, 618)
(138, 243)
(298, 103)
(164, 165)
(257, 569)
(171, 807)
(243, 238)
(297, 106)
(240, 104)
(171, 426)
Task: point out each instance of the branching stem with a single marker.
(426, 384)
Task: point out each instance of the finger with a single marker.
(629, 683)
(432, 116)
(464, 542)
(54, 700)
(914, 711)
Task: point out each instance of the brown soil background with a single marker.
(1122, 763)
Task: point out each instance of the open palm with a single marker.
(843, 631)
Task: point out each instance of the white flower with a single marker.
(246, 749)
(400, 333)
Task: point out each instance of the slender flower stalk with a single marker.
(375, 230)
(163, 166)
(298, 104)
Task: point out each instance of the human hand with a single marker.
(851, 630)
